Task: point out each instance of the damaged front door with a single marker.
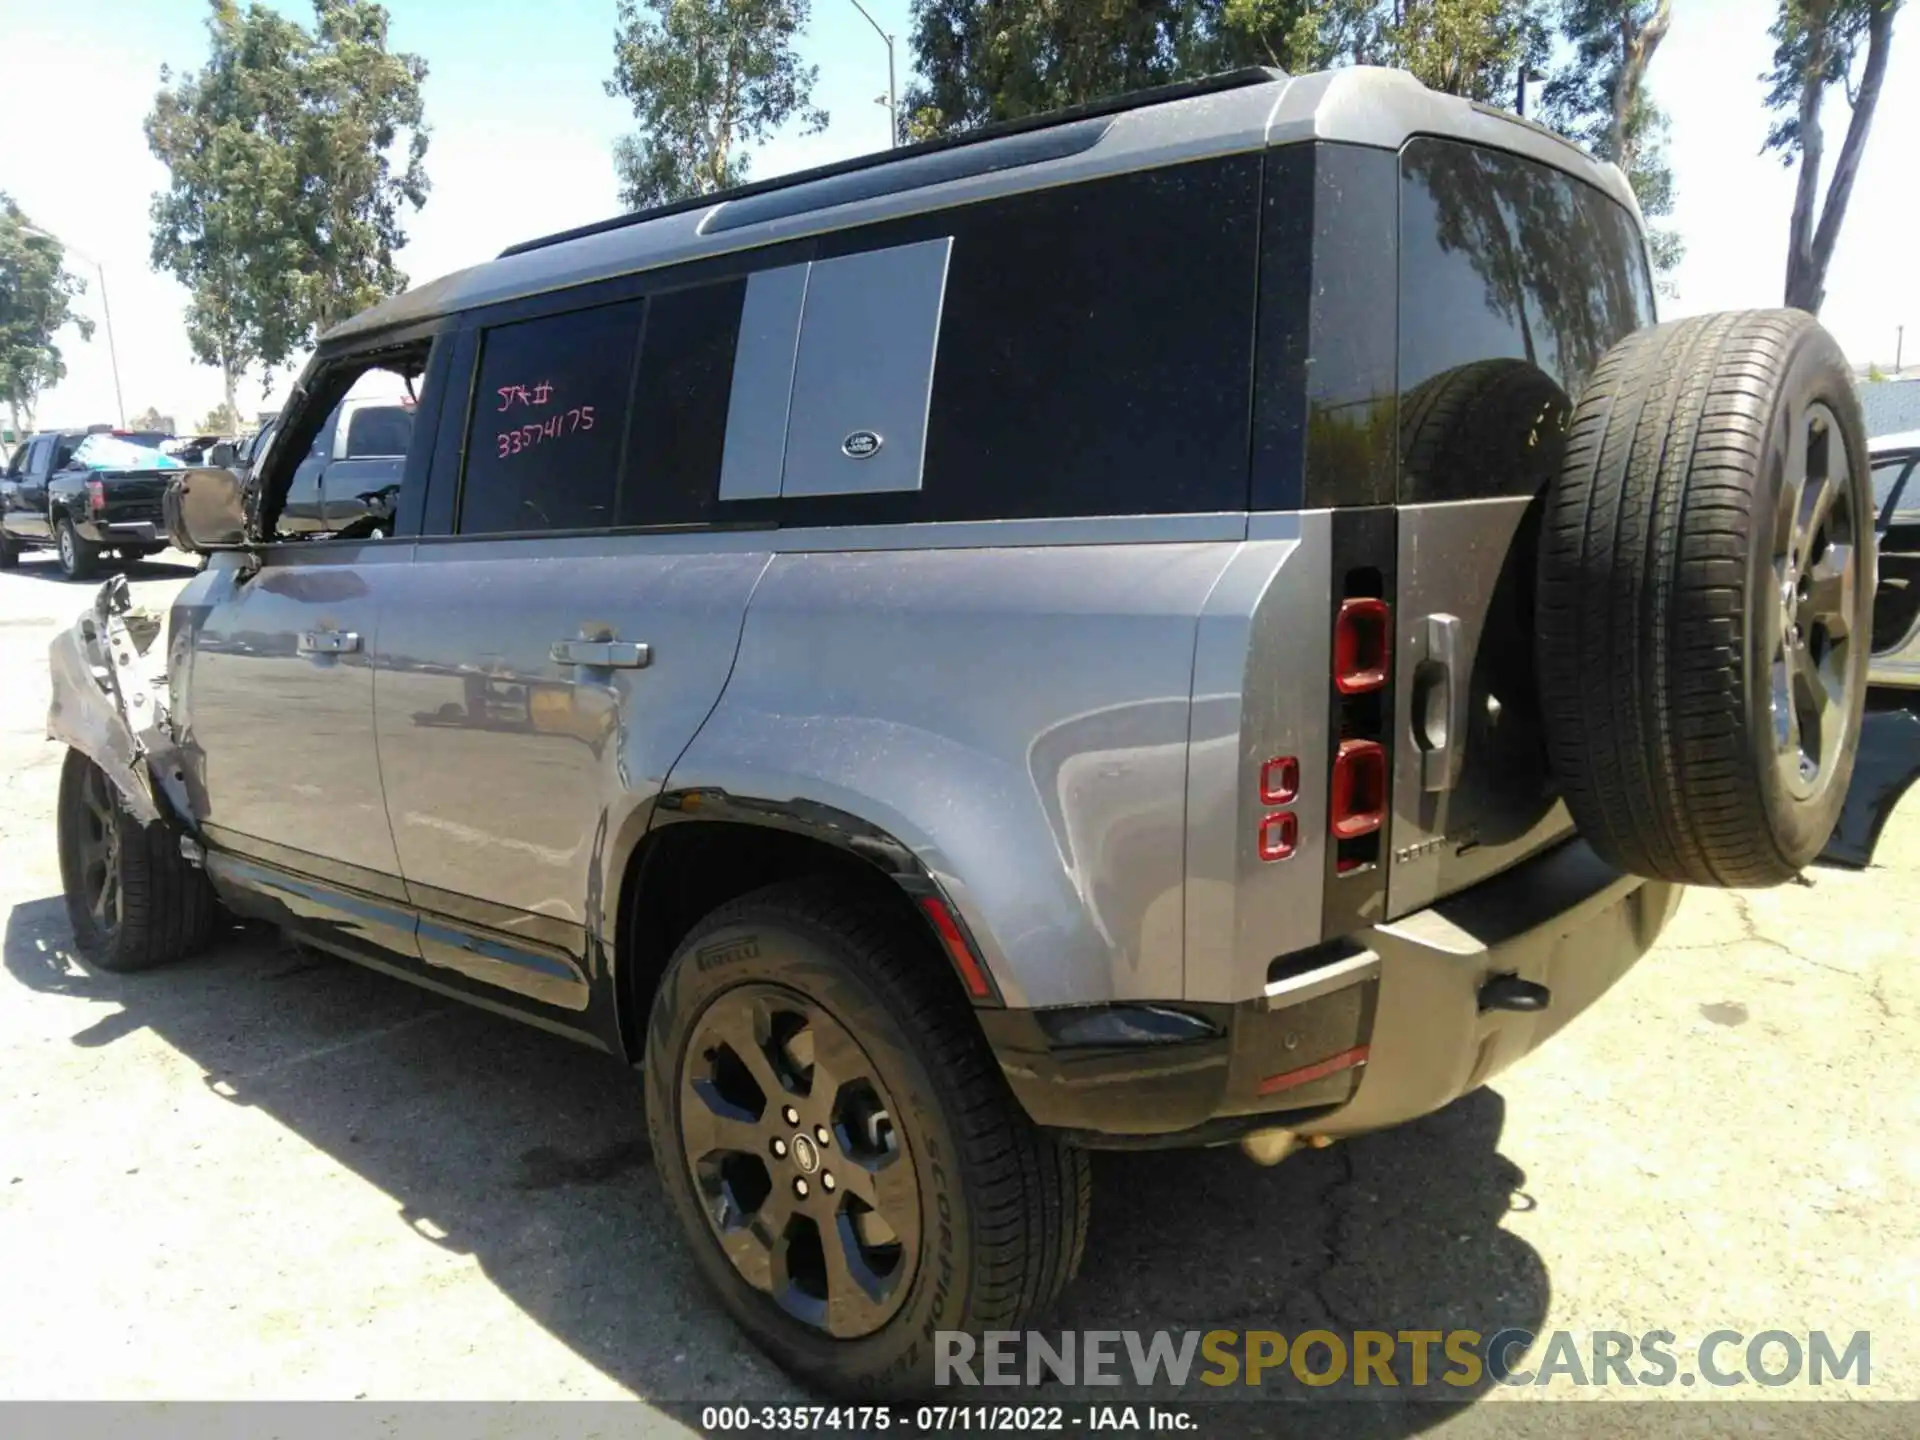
(275, 711)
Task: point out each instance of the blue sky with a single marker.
(523, 134)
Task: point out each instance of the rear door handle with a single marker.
(1440, 694)
(603, 654)
(329, 642)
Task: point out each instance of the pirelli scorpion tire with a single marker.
(1704, 593)
(853, 1174)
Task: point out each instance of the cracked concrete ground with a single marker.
(263, 1174)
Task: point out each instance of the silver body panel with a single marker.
(1061, 719)
(1257, 694)
(509, 773)
(1451, 829)
(279, 731)
(1018, 717)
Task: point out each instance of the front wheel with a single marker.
(833, 1133)
(133, 900)
(78, 558)
(9, 553)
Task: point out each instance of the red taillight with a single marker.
(961, 953)
(1357, 793)
(1278, 835)
(1280, 780)
(1362, 655)
(96, 496)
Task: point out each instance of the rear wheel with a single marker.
(1705, 595)
(132, 898)
(78, 558)
(841, 1148)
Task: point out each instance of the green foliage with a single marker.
(1609, 41)
(223, 419)
(1815, 44)
(1875, 375)
(1474, 48)
(150, 419)
(37, 292)
(705, 78)
(1006, 59)
(291, 154)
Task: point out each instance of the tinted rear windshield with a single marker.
(1515, 278)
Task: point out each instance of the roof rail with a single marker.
(1133, 100)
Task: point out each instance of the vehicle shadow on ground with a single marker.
(530, 1154)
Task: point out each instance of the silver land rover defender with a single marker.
(1213, 617)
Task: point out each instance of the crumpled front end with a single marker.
(104, 702)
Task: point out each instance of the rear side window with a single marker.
(1515, 278)
(1096, 349)
(543, 443)
(1091, 347)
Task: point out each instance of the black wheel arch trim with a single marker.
(840, 830)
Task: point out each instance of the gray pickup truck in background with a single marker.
(346, 483)
(51, 497)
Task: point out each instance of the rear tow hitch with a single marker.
(1510, 992)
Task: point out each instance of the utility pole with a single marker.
(893, 104)
(1899, 345)
(106, 311)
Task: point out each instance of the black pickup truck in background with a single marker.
(57, 494)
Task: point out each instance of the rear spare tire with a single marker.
(1704, 599)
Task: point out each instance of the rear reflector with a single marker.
(1278, 835)
(971, 975)
(1319, 1070)
(1357, 795)
(1361, 653)
(1280, 780)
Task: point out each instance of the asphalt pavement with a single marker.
(267, 1174)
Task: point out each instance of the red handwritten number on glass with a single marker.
(532, 395)
(525, 437)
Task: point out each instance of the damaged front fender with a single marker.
(104, 704)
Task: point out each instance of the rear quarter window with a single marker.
(1094, 351)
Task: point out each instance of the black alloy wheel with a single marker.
(852, 1173)
(806, 1180)
(97, 852)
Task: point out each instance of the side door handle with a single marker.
(1440, 695)
(603, 654)
(329, 642)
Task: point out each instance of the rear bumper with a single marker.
(1357, 1036)
(121, 532)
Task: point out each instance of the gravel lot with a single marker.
(266, 1174)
